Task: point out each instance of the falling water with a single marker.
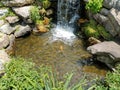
(67, 15)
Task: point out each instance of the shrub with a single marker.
(23, 75)
(94, 5)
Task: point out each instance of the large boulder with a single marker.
(107, 52)
(104, 20)
(14, 3)
(7, 29)
(4, 40)
(114, 16)
(112, 4)
(23, 12)
(22, 31)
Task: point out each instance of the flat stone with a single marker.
(109, 47)
(4, 40)
(104, 11)
(7, 29)
(114, 17)
(107, 52)
(22, 31)
(12, 19)
(24, 12)
(14, 3)
(2, 22)
(3, 11)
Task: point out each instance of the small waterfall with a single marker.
(67, 12)
(67, 15)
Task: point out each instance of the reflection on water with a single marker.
(61, 57)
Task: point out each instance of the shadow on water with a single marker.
(61, 57)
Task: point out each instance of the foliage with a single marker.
(111, 82)
(91, 29)
(34, 14)
(23, 75)
(94, 5)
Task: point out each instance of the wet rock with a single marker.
(10, 48)
(93, 41)
(103, 20)
(107, 52)
(12, 19)
(4, 40)
(114, 16)
(7, 29)
(22, 31)
(13, 3)
(4, 58)
(23, 12)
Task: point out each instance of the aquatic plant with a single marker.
(94, 5)
(23, 75)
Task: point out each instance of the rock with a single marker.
(7, 29)
(41, 28)
(111, 4)
(14, 3)
(12, 19)
(114, 17)
(10, 48)
(2, 22)
(103, 20)
(107, 52)
(22, 31)
(3, 11)
(4, 58)
(93, 41)
(49, 12)
(104, 11)
(4, 40)
(23, 12)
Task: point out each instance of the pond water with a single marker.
(62, 57)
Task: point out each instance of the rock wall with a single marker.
(109, 16)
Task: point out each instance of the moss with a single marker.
(92, 29)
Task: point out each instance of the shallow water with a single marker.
(63, 58)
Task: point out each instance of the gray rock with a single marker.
(104, 11)
(2, 22)
(23, 12)
(4, 40)
(3, 11)
(7, 29)
(14, 3)
(103, 20)
(107, 52)
(112, 4)
(114, 17)
(12, 19)
(4, 58)
(10, 48)
(22, 31)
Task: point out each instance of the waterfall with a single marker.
(67, 12)
(67, 15)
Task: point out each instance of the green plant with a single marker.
(34, 14)
(23, 75)
(111, 81)
(94, 5)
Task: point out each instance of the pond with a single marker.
(62, 57)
